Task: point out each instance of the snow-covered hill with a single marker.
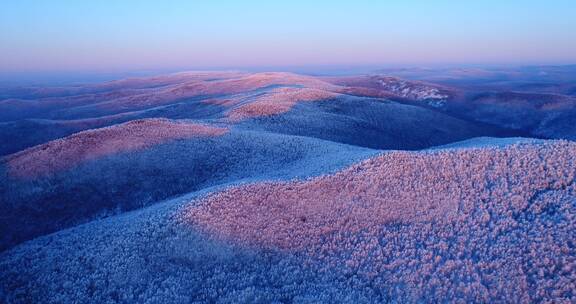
(227, 187)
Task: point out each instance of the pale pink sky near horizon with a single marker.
(65, 35)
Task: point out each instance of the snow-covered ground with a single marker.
(226, 187)
(412, 90)
(478, 225)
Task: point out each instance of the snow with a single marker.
(414, 91)
(226, 187)
(491, 224)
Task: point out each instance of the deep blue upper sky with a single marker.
(110, 35)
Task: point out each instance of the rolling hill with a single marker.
(227, 187)
(478, 224)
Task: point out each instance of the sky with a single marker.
(131, 35)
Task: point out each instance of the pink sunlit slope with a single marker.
(278, 101)
(70, 151)
(394, 187)
(218, 87)
(346, 221)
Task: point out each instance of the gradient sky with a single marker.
(113, 35)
